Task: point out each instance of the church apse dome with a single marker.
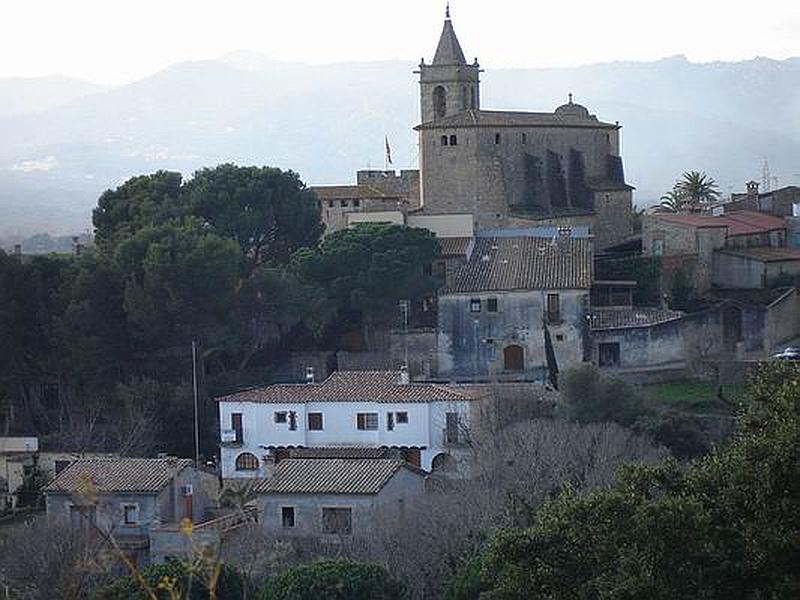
(573, 110)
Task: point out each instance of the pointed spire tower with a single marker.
(448, 85)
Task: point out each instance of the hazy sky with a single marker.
(114, 41)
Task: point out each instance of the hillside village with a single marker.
(545, 286)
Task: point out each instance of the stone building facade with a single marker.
(515, 297)
(506, 168)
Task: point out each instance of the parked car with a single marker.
(790, 353)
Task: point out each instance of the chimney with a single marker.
(404, 379)
(309, 375)
(270, 463)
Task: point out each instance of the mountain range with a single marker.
(62, 141)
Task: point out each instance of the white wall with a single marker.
(444, 226)
(423, 430)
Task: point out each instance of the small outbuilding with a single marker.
(328, 498)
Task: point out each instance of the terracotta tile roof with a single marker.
(349, 192)
(349, 452)
(765, 254)
(111, 475)
(351, 386)
(507, 118)
(633, 317)
(454, 246)
(525, 263)
(331, 476)
(743, 222)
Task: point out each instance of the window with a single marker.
(491, 305)
(439, 101)
(237, 426)
(292, 421)
(367, 421)
(444, 140)
(343, 203)
(356, 202)
(280, 416)
(337, 521)
(247, 462)
(451, 428)
(559, 337)
(330, 203)
(553, 309)
(402, 417)
(130, 514)
(475, 305)
(608, 354)
(524, 138)
(287, 516)
(389, 421)
(472, 97)
(453, 140)
(496, 138)
(658, 247)
(315, 421)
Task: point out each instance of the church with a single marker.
(486, 169)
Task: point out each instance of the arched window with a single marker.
(443, 462)
(496, 138)
(513, 358)
(439, 101)
(444, 140)
(472, 97)
(453, 140)
(464, 100)
(247, 462)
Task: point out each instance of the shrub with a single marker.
(176, 579)
(334, 580)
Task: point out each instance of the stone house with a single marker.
(636, 338)
(689, 241)
(779, 202)
(336, 498)
(511, 296)
(756, 267)
(756, 322)
(423, 422)
(132, 498)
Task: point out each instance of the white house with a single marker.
(424, 422)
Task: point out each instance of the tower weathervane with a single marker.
(447, 11)
(570, 97)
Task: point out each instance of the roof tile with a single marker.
(331, 476)
(351, 386)
(526, 263)
(110, 475)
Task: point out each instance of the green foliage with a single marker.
(644, 270)
(175, 579)
(369, 268)
(268, 212)
(30, 494)
(725, 527)
(334, 580)
(681, 291)
(587, 397)
(691, 192)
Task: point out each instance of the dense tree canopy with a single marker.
(334, 580)
(728, 526)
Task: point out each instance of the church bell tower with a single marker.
(448, 85)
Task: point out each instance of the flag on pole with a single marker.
(388, 152)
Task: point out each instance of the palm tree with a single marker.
(674, 201)
(698, 188)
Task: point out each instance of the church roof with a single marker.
(449, 52)
(508, 118)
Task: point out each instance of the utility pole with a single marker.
(196, 418)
